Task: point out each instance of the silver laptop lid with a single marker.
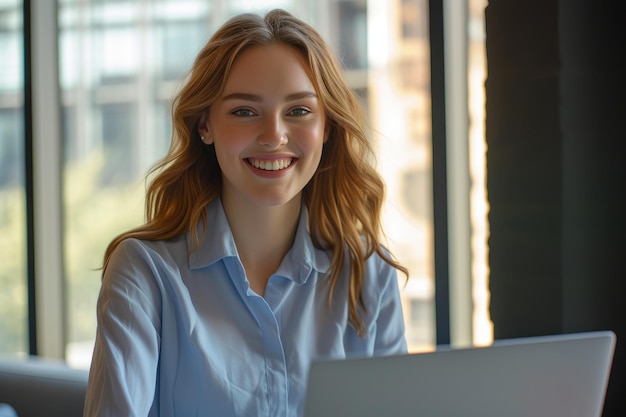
(556, 376)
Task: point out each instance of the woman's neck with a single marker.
(263, 235)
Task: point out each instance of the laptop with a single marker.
(557, 376)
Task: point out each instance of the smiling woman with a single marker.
(270, 268)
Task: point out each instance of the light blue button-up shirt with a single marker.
(181, 333)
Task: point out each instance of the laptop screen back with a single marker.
(556, 376)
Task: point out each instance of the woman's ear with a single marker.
(204, 131)
(205, 136)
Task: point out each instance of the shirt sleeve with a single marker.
(390, 330)
(123, 374)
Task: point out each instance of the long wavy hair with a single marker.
(344, 198)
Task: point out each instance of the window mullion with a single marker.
(47, 188)
(455, 16)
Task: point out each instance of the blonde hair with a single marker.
(344, 198)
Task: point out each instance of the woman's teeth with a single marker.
(273, 165)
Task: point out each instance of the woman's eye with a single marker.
(243, 112)
(299, 111)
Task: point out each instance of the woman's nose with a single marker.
(273, 133)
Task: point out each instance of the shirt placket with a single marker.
(273, 351)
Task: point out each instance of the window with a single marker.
(13, 281)
(120, 62)
(479, 205)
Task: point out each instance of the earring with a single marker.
(202, 139)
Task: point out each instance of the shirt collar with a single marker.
(217, 242)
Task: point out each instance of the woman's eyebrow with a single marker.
(242, 96)
(257, 98)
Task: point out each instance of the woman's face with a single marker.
(267, 127)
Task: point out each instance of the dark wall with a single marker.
(556, 170)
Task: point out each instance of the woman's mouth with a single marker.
(270, 164)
